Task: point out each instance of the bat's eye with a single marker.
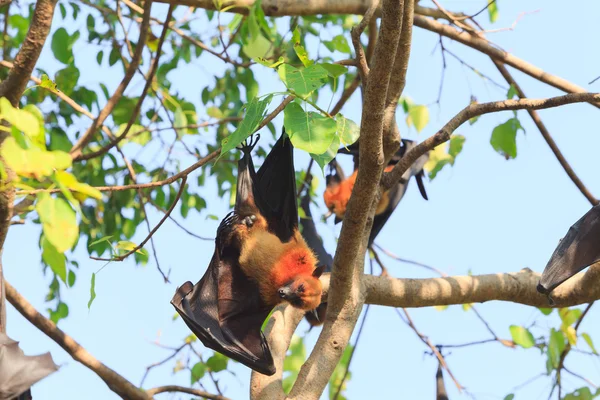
(301, 288)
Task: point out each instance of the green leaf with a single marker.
(54, 259)
(556, 346)
(334, 70)
(509, 397)
(325, 158)
(92, 290)
(583, 393)
(296, 355)
(308, 131)
(569, 316)
(33, 162)
(347, 130)
(512, 92)
(71, 278)
(62, 311)
(589, 342)
(180, 121)
(418, 116)
(217, 362)
(69, 181)
(59, 222)
(127, 246)
(48, 83)
(24, 120)
(197, 372)
(99, 57)
(268, 63)
(302, 82)
(338, 43)
(62, 45)
(522, 336)
(258, 47)
(300, 50)
(67, 78)
(255, 113)
(504, 138)
(439, 157)
(493, 10)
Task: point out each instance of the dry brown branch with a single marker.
(115, 382)
(77, 149)
(475, 110)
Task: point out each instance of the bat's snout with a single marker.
(285, 292)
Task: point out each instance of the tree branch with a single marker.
(547, 137)
(475, 110)
(138, 107)
(13, 86)
(181, 389)
(115, 382)
(76, 151)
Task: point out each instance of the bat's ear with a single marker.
(318, 271)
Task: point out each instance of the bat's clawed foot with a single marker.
(249, 220)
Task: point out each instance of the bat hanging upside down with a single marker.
(338, 190)
(260, 260)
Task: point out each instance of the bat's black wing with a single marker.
(579, 249)
(275, 189)
(225, 309)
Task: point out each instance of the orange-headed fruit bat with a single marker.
(260, 260)
(338, 190)
(579, 249)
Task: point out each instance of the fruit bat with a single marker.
(338, 190)
(260, 260)
(19, 372)
(579, 249)
(314, 241)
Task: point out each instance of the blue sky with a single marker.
(485, 215)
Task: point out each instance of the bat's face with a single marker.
(304, 292)
(576, 251)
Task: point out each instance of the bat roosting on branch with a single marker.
(260, 260)
(338, 190)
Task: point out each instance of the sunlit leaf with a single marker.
(303, 81)
(347, 130)
(339, 43)
(197, 372)
(33, 162)
(493, 10)
(589, 342)
(69, 180)
(325, 158)
(309, 131)
(300, 50)
(504, 138)
(255, 113)
(522, 336)
(59, 222)
(444, 154)
(54, 259)
(418, 116)
(217, 362)
(48, 83)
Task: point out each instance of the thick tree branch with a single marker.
(547, 137)
(76, 151)
(346, 298)
(13, 86)
(517, 287)
(360, 7)
(115, 382)
(475, 110)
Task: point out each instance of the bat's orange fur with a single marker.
(273, 264)
(336, 196)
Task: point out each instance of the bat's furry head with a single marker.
(303, 292)
(337, 194)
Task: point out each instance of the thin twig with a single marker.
(138, 106)
(181, 389)
(153, 231)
